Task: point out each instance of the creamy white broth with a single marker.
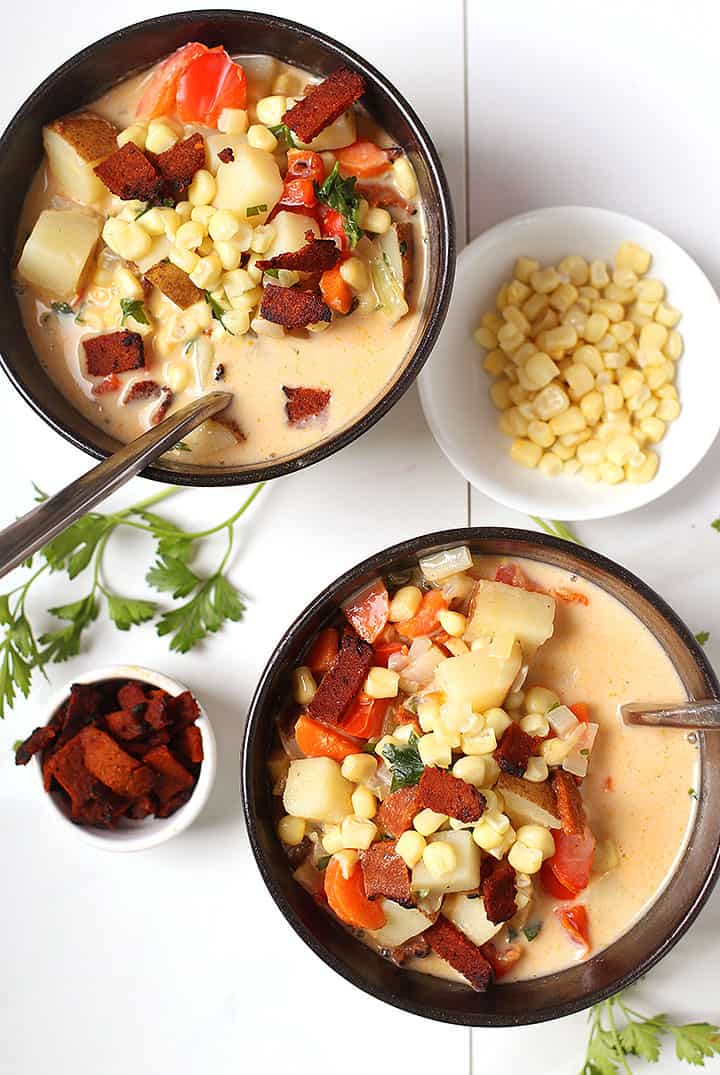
(356, 358)
(602, 654)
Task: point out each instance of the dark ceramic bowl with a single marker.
(518, 1003)
(125, 52)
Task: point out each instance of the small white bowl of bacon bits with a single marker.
(570, 379)
(127, 757)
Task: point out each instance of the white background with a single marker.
(176, 959)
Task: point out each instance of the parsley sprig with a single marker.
(133, 308)
(405, 762)
(212, 600)
(341, 196)
(284, 135)
(618, 1031)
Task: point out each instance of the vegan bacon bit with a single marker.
(385, 874)
(327, 102)
(232, 427)
(498, 890)
(317, 256)
(115, 352)
(291, 308)
(128, 174)
(141, 390)
(570, 807)
(447, 794)
(463, 956)
(305, 403)
(515, 748)
(415, 948)
(226, 155)
(102, 756)
(383, 196)
(109, 384)
(343, 681)
(178, 164)
(175, 284)
(396, 812)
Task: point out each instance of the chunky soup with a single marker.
(214, 223)
(454, 782)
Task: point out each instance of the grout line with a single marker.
(471, 1065)
(466, 184)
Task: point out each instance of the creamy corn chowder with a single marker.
(453, 780)
(214, 223)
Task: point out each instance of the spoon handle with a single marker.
(704, 714)
(24, 537)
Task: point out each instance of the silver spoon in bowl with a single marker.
(24, 537)
(703, 715)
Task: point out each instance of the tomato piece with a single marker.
(574, 920)
(502, 960)
(158, 98)
(405, 717)
(211, 83)
(336, 293)
(573, 859)
(305, 164)
(368, 611)
(384, 651)
(111, 383)
(346, 897)
(332, 226)
(425, 620)
(511, 575)
(581, 711)
(365, 717)
(363, 159)
(552, 886)
(316, 740)
(298, 194)
(323, 652)
(571, 597)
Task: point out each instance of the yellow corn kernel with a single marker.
(576, 317)
(357, 832)
(471, 769)
(631, 256)
(452, 622)
(653, 336)
(622, 331)
(509, 338)
(620, 450)
(405, 603)
(434, 750)
(202, 189)
(270, 110)
(659, 376)
(571, 440)
(354, 272)
(516, 317)
(615, 293)
(260, 137)
(127, 283)
(540, 433)
(535, 306)
(484, 742)
(377, 221)
(625, 277)
(587, 355)
(525, 859)
(524, 268)
(485, 338)
(203, 214)
(554, 751)
(410, 847)
(499, 394)
(561, 338)
(440, 857)
(223, 225)
(540, 370)
(133, 242)
(668, 410)
(262, 238)
(580, 380)
(648, 409)
(540, 700)
(207, 273)
(404, 177)
(501, 299)
(599, 274)
(525, 452)
(613, 397)
(332, 840)
(562, 298)
(545, 322)
(136, 133)
(667, 315)
(576, 268)
(291, 830)
(491, 321)
(631, 382)
(613, 311)
(535, 724)
(591, 406)
(536, 771)
(190, 235)
(650, 290)
(610, 473)
(358, 768)
(545, 280)
(552, 401)
(571, 420)
(237, 322)
(494, 361)
(550, 465)
(233, 121)
(674, 346)
(381, 683)
(498, 720)
(160, 136)
(364, 803)
(596, 327)
(304, 685)
(486, 837)
(184, 259)
(229, 252)
(537, 836)
(591, 452)
(428, 822)
(645, 473)
(517, 293)
(572, 466)
(654, 429)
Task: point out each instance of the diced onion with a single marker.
(519, 681)
(419, 646)
(419, 672)
(582, 740)
(563, 721)
(388, 288)
(289, 743)
(445, 563)
(398, 661)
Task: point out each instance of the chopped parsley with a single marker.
(217, 311)
(702, 637)
(405, 762)
(715, 524)
(16, 745)
(275, 273)
(181, 446)
(62, 307)
(256, 210)
(403, 248)
(692, 793)
(133, 308)
(341, 196)
(532, 930)
(283, 134)
(322, 862)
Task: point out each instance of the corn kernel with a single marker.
(536, 770)
(270, 110)
(576, 268)
(540, 370)
(486, 837)
(377, 221)
(304, 685)
(498, 721)
(561, 338)
(667, 315)
(485, 338)
(535, 724)
(492, 321)
(262, 238)
(525, 452)
(551, 401)
(599, 274)
(550, 465)
(615, 293)
(613, 311)
(509, 338)
(540, 433)
(260, 137)
(596, 327)
(621, 450)
(358, 768)
(405, 603)
(381, 683)
(440, 858)
(291, 830)
(184, 259)
(591, 452)
(570, 421)
(364, 803)
(332, 840)
(650, 290)
(610, 473)
(580, 380)
(591, 406)
(434, 750)
(653, 336)
(494, 361)
(208, 272)
(515, 317)
(674, 346)
(668, 410)
(354, 272)
(136, 133)
(654, 429)
(587, 355)
(452, 622)
(236, 322)
(518, 293)
(524, 268)
(472, 770)
(233, 121)
(127, 283)
(428, 821)
(545, 280)
(160, 136)
(404, 177)
(357, 832)
(535, 306)
(484, 742)
(525, 859)
(410, 847)
(646, 472)
(631, 256)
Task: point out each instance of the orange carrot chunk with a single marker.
(347, 898)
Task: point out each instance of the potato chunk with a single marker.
(252, 181)
(317, 790)
(497, 607)
(337, 135)
(401, 923)
(74, 145)
(216, 143)
(58, 249)
(528, 803)
(478, 677)
(466, 874)
(290, 231)
(469, 916)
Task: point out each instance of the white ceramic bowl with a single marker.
(454, 386)
(137, 835)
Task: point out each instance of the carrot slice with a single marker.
(335, 291)
(581, 711)
(316, 740)
(363, 159)
(365, 717)
(574, 920)
(323, 652)
(571, 597)
(346, 897)
(425, 620)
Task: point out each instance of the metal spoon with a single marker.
(24, 537)
(703, 714)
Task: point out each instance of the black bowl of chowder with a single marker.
(220, 198)
(442, 798)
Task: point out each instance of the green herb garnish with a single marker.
(611, 1041)
(715, 524)
(405, 762)
(531, 931)
(341, 196)
(557, 529)
(62, 307)
(167, 203)
(133, 308)
(181, 446)
(217, 312)
(692, 793)
(256, 210)
(16, 745)
(403, 248)
(322, 862)
(275, 273)
(284, 135)
(213, 598)
(702, 637)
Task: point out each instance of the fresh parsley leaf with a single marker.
(215, 307)
(73, 549)
(40, 494)
(62, 307)
(274, 273)
(127, 612)
(692, 793)
(5, 614)
(172, 575)
(172, 540)
(322, 862)
(702, 637)
(133, 308)
(642, 1038)
(215, 601)
(181, 446)
(695, 1042)
(256, 210)
(603, 1056)
(64, 642)
(532, 930)
(16, 745)
(341, 196)
(284, 134)
(405, 762)
(715, 524)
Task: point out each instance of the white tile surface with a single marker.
(176, 959)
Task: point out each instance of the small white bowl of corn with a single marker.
(573, 377)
